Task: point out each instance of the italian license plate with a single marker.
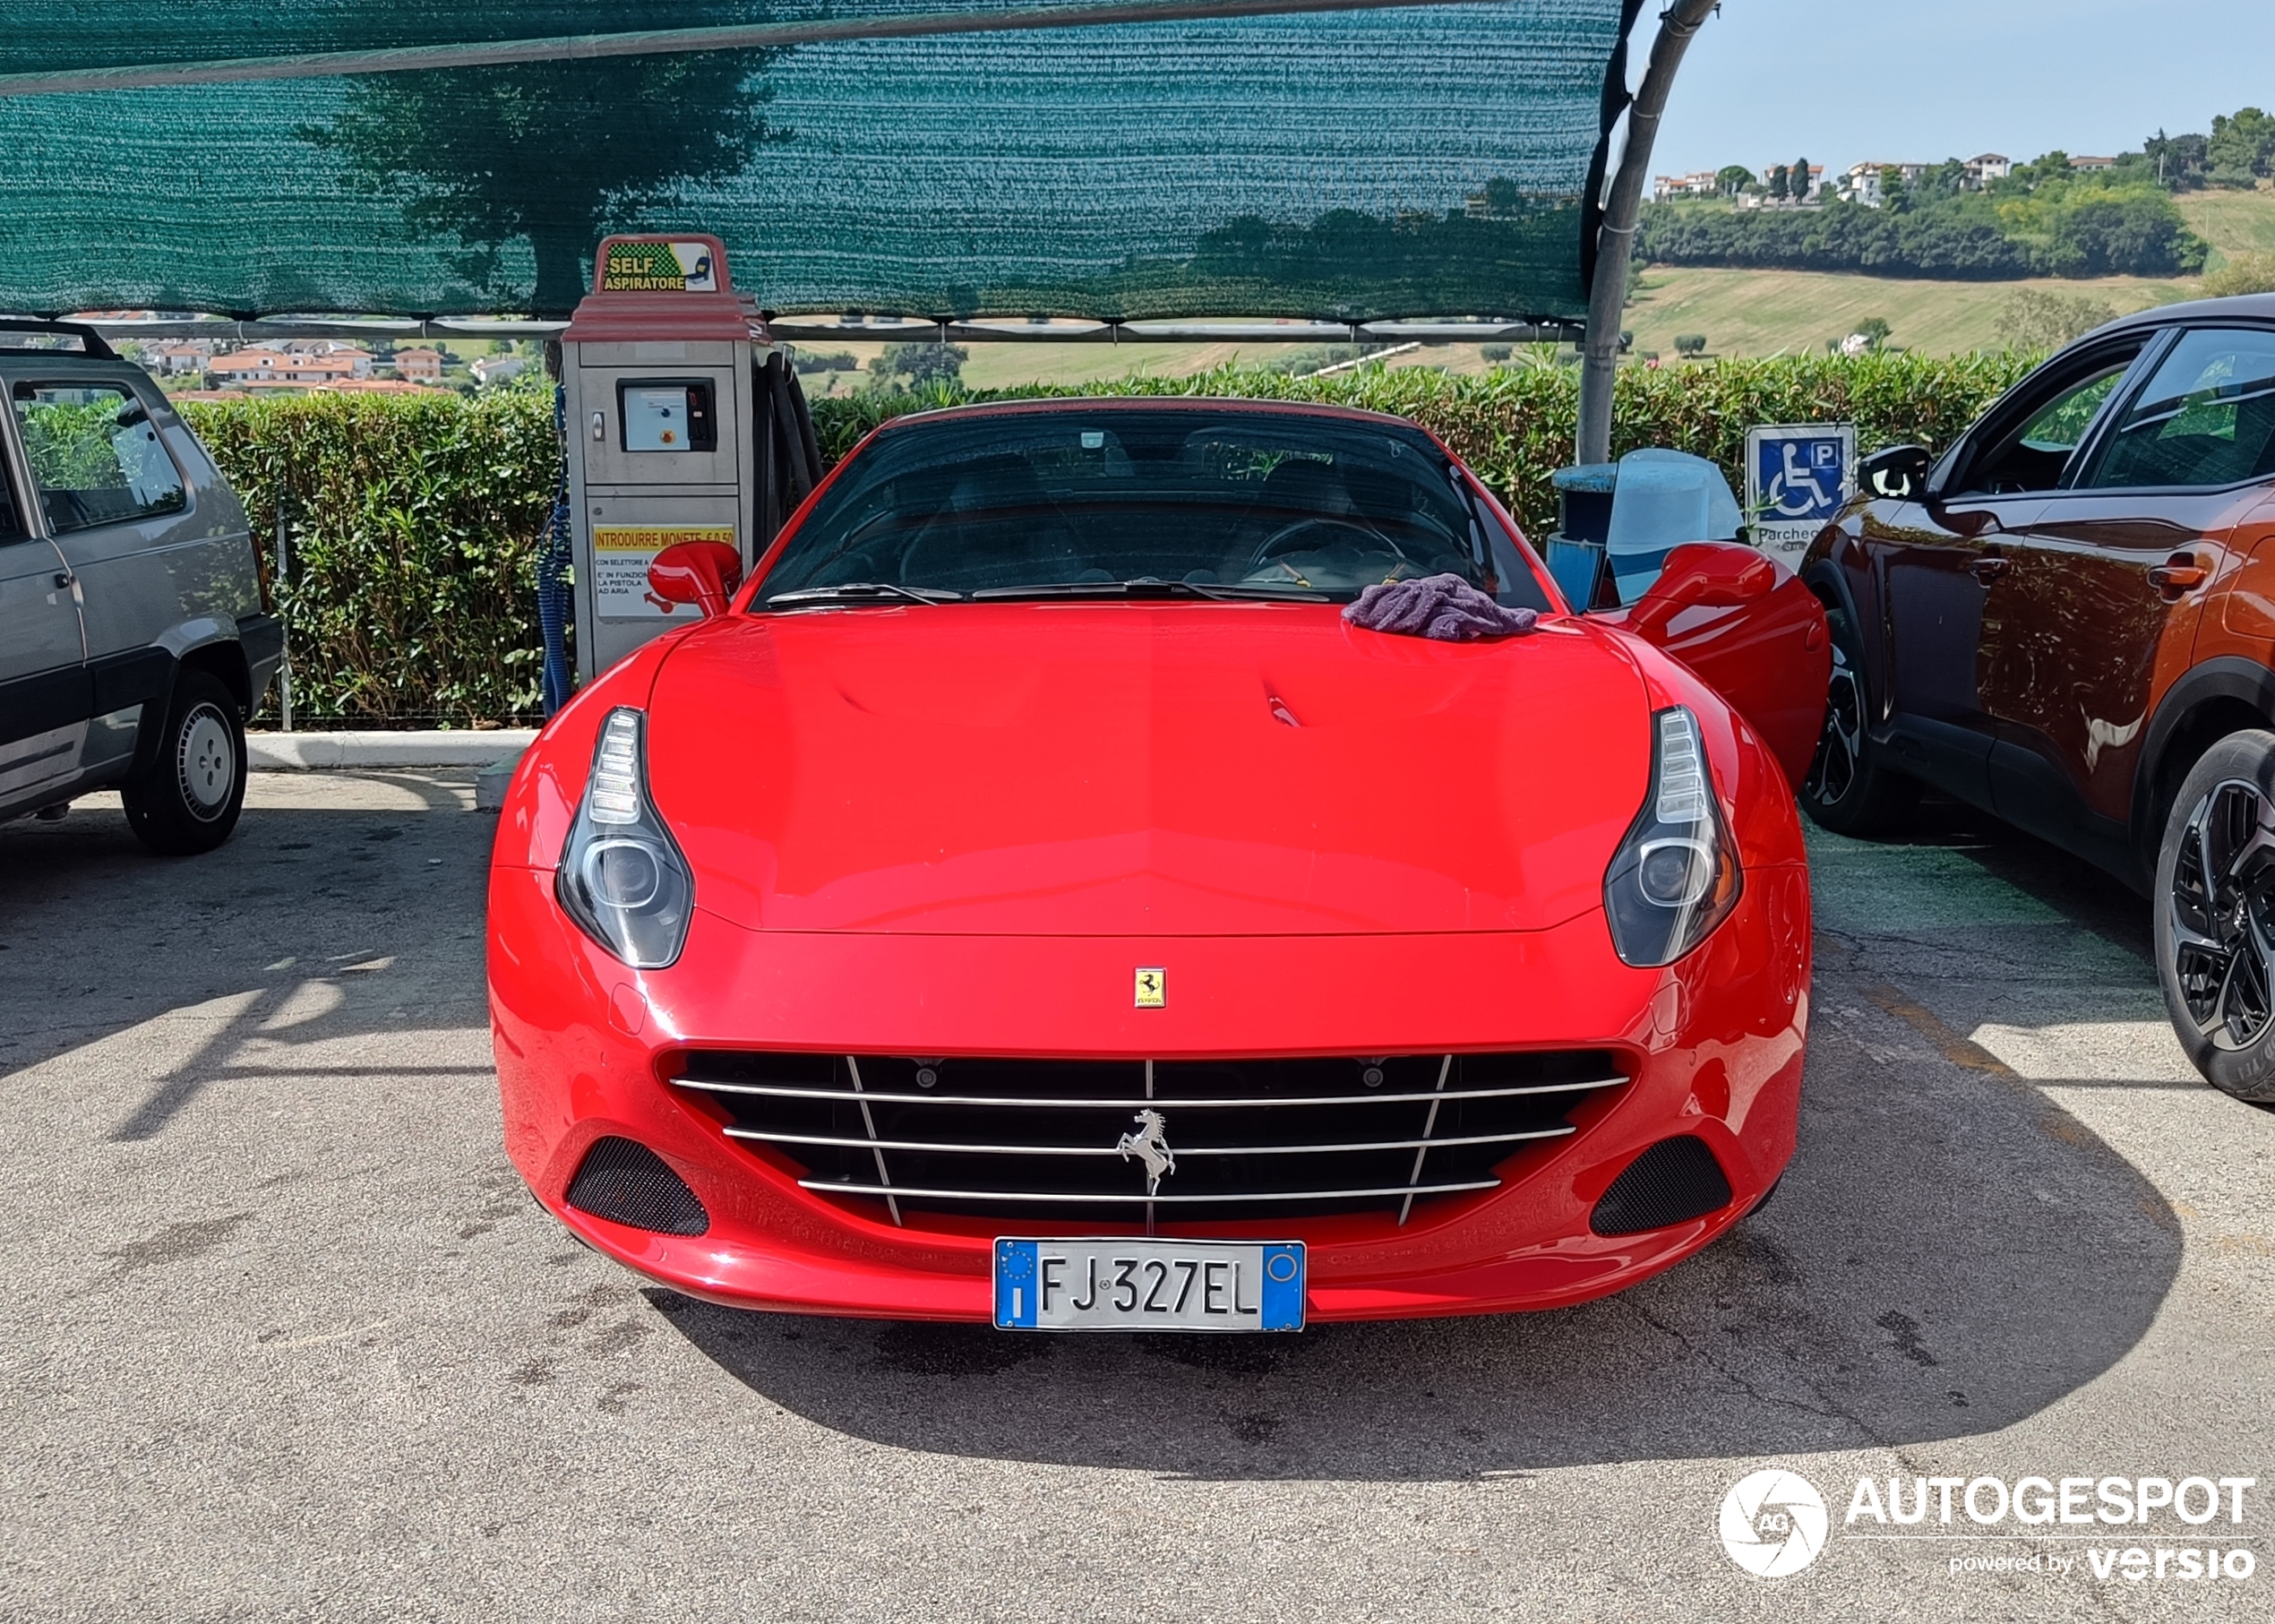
(1149, 1286)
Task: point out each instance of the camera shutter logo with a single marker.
(1773, 1523)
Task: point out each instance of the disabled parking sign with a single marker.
(1798, 476)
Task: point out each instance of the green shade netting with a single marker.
(1352, 166)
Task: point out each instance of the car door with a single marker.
(114, 501)
(1751, 631)
(1944, 557)
(2100, 613)
(45, 691)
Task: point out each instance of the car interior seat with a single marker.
(995, 525)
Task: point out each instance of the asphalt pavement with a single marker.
(285, 1337)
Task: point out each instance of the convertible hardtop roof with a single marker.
(1090, 405)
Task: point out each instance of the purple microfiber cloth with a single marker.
(1443, 606)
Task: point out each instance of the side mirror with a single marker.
(1900, 472)
(1702, 575)
(704, 574)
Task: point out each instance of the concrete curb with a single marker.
(320, 752)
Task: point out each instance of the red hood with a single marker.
(1117, 769)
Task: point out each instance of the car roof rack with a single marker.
(90, 341)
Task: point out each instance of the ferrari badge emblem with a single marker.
(1150, 1145)
(1153, 989)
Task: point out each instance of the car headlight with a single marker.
(1675, 876)
(622, 877)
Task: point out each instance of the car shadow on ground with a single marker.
(1949, 1254)
(98, 937)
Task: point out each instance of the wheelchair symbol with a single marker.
(1795, 492)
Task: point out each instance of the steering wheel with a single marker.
(1284, 539)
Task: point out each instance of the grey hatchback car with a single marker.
(135, 636)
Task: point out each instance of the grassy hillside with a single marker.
(1761, 313)
(1764, 312)
(2232, 222)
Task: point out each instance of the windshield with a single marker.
(1118, 501)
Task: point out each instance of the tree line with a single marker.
(2045, 218)
(2088, 230)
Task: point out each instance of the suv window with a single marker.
(2030, 457)
(2206, 417)
(94, 455)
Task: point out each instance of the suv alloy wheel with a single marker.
(2215, 914)
(1850, 789)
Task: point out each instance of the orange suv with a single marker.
(2068, 620)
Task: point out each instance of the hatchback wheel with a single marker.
(187, 799)
(2216, 915)
(1850, 789)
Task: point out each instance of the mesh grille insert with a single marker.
(626, 1183)
(1673, 1181)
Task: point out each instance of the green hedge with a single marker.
(416, 520)
(410, 581)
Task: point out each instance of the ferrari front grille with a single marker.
(1130, 1141)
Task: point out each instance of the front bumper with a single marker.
(1713, 1046)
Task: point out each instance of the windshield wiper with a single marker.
(1147, 586)
(861, 592)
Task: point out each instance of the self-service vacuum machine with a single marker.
(684, 424)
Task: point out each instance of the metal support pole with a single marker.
(1615, 239)
(284, 579)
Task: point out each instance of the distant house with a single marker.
(1861, 181)
(261, 367)
(243, 365)
(1987, 166)
(1812, 191)
(419, 366)
(174, 359)
(1701, 183)
(357, 357)
(1861, 184)
(2087, 165)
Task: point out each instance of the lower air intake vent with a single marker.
(626, 1183)
(1673, 1181)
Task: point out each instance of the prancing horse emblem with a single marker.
(1150, 1143)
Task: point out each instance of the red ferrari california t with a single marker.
(1030, 899)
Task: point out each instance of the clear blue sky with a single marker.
(1841, 81)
